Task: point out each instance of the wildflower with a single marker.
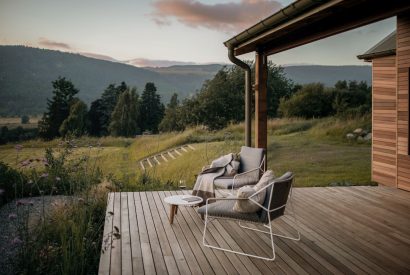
(44, 175)
(16, 240)
(18, 147)
(12, 216)
(58, 179)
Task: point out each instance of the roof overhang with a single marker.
(305, 21)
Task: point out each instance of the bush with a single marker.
(16, 134)
(25, 119)
(313, 100)
(10, 179)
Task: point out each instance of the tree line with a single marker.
(121, 111)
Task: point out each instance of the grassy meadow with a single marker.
(316, 150)
(14, 122)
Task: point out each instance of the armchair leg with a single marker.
(238, 252)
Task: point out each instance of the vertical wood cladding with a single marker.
(384, 116)
(403, 64)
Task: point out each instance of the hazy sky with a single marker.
(177, 30)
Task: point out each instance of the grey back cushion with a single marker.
(280, 195)
(251, 158)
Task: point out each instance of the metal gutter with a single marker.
(248, 98)
(370, 56)
(290, 11)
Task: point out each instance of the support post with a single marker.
(261, 87)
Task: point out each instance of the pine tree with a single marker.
(172, 119)
(152, 110)
(58, 108)
(109, 100)
(125, 117)
(77, 122)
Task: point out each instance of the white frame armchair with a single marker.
(266, 221)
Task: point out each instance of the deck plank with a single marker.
(159, 260)
(137, 263)
(344, 230)
(115, 267)
(105, 259)
(147, 257)
(126, 256)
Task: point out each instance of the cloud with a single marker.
(99, 56)
(143, 62)
(228, 17)
(50, 44)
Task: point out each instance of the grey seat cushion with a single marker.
(224, 209)
(251, 158)
(223, 182)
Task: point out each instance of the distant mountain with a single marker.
(328, 75)
(26, 75)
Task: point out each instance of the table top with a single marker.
(179, 200)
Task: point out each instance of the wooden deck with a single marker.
(345, 230)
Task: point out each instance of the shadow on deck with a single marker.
(344, 230)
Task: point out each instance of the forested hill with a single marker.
(328, 75)
(26, 74)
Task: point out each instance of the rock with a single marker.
(360, 138)
(358, 131)
(350, 136)
(368, 136)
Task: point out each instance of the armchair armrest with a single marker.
(243, 175)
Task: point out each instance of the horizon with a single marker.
(163, 33)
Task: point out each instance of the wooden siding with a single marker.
(384, 157)
(403, 64)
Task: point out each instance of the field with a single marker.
(14, 122)
(316, 150)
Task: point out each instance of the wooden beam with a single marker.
(261, 115)
(324, 21)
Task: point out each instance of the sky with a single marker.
(165, 32)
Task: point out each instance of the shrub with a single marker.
(313, 100)
(10, 179)
(25, 119)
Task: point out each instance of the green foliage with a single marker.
(172, 120)
(58, 108)
(221, 100)
(105, 107)
(125, 117)
(352, 99)
(346, 100)
(313, 100)
(279, 86)
(152, 110)
(25, 119)
(17, 134)
(77, 123)
(10, 180)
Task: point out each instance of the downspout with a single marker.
(248, 98)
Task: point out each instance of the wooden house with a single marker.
(390, 117)
(306, 21)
